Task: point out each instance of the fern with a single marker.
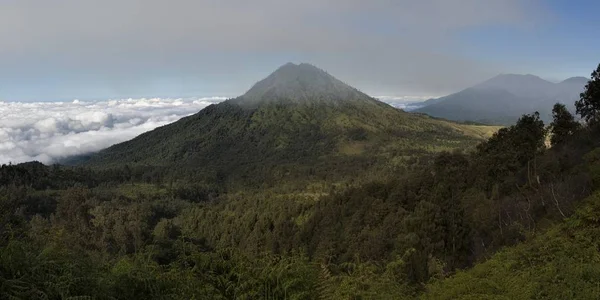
(325, 286)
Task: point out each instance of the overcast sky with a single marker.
(80, 49)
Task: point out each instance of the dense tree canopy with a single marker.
(120, 237)
(563, 125)
(508, 219)
(588, 106)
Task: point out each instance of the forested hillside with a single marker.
(562, 263)
(510, 218)
(299, 125)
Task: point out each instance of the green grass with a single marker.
(563, 263)
(133, 190)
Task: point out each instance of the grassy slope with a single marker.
(476, 131)
(563, 263)
(560, 262)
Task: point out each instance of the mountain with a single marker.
(510, 219)
(301, 83)
(528, 86)
(504, 98)
(421, 104)
(576, 80)
(298, 122)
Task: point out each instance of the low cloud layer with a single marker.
(49, 131)
(406, 103)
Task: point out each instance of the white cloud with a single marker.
(48, 131)
(406, 103)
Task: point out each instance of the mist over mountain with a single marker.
(579, 80)
(504, 98)
(334, 195)
(300, 83)
(165, 150)
(299, 119)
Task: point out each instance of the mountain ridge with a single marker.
(523, 94)
(297, 120)
(576, 80)
(300, 83)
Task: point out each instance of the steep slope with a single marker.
(559, 257)
(430, 101)
(563, 263)
(504, 98)
(300, 83)
(528, 86)
(479, 106)
(299, 121)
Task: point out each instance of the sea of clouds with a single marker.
(406, 103)
(50, 131)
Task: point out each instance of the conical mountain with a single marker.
(298, 122)
(301, 83)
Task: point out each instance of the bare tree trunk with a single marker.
(556, 200)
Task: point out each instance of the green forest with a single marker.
(514, 216)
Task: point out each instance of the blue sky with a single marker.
(69, 49)
(564, 44)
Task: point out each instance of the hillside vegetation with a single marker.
(299, 124)
(562, 263)
(509, 219)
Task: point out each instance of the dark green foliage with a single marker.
(12, 218)
(195, 193)
(158, 232)
(293, 142)
(119, 237)
(123, 238)
(55, 273)
(588, 106)
(512, 147)
(563, 263)
(563, 125)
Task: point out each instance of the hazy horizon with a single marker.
(48, 131)
(66, 49)
(388, 98)
(77, 77)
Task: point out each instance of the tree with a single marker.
(513, 147)
(563, 124)
(588, 106)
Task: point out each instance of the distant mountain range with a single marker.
(299, 121)
(504, 98)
